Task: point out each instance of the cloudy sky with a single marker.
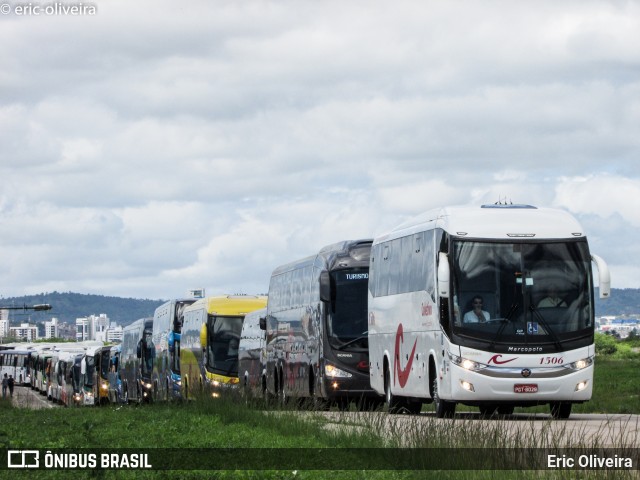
(155, 146)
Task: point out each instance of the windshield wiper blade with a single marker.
(355, 340)
(505, 322)
(544, 323)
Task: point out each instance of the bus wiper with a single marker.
(362, 336)
(505, 322)
(544, 323)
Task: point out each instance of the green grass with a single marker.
(616, 387)
(232, 425)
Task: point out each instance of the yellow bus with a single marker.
(210, 340)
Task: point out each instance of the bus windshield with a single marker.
(104, 363)
(76, 375)
(522, 293)
(91, 369)
(147, 354)
(347, 318)
(222, 344)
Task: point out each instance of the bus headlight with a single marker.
(465, 363)
(581, 364)
(335, 372)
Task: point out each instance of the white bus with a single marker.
(15, 363)
(462, 309)
(65, 378)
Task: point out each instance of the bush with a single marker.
(605, 344)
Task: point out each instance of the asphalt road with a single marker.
(24, 397)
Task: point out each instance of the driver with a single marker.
(476, 314)
(232, 351)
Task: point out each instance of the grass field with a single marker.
(233, 427)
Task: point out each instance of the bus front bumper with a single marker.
(519, 385)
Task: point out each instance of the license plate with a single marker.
(525, 388)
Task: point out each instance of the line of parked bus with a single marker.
(450, 307)
(67, 373)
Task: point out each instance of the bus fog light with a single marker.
(215, 395)
(335, 385)
(581, 386)
(467, 386)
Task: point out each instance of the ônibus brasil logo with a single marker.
(402, 373)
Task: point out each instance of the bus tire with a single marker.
(283, 398)
(266, 396)
(505, 409)
(414, 407)
(368, 404)
(393, 403)
(443, 408)
(487, 410)
(560, 410)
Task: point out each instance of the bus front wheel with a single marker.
(393, 404)
(443, 408)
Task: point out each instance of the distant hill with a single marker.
(66, 307)
(69, 306)
(623, 301)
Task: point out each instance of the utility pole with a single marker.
(41, 307)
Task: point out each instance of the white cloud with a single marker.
(604, 195)
(156, 147)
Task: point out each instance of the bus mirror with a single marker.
(83, 366)
(443, 275)
(139, 349)
(263, 323)
(325, 286)
(203, 337)
(604, 275)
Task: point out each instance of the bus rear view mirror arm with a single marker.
(604, 275)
